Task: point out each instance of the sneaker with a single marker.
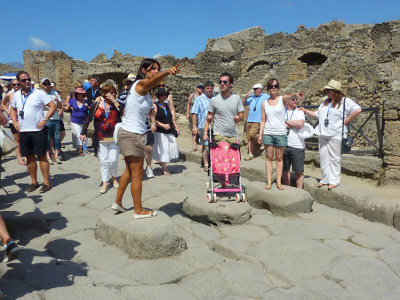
(149, 173)
(45, 188)
(250, 157)
(58, 161)
(50, 161)
(12, 252)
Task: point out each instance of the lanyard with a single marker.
(287, 115)
(26, 98)
(165, 110)
(93, 94)
(329, 107)
(255, 106)
(106, 112)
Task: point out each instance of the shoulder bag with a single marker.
(346, 142)
(7, 142)
(90, 129)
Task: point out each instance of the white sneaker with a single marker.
(149, 173)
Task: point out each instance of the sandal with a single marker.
(205, 168)
(268, 186)
(320, 184)
(280, 186)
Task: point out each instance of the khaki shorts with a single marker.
(252, 130)
(131, 144)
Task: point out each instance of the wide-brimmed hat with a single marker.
(79, 90)
(334, 85)
(257, 86)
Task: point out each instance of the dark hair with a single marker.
(22, 72)
(337, 97)
(209, 83)
(227, 74)
(92, 77)
(269, 83)
(109, 88)
(146, 63)
(162, 92)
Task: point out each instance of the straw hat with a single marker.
(334, 85)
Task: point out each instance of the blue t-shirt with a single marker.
(78, 114)
(255, 108)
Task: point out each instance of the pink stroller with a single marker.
(225, 170)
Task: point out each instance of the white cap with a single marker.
(44, 79)
(131, 77)
(257, 86)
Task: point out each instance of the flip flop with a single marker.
(139, 216)
(320, 184)
(331, 186)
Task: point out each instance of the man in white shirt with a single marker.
(294, 152)
(28, 103)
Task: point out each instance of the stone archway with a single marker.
(314, 58)
(257, 63)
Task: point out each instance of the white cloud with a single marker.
(157, 55)
(38, 43)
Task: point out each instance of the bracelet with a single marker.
(153, 124)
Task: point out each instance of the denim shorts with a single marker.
(275, 140)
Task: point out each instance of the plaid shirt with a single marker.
(200, 108)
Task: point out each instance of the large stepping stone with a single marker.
(150, 238)
(197, 208)
(290, 201)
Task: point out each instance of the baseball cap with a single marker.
(257, 86)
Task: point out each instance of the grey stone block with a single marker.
(223, 212)
(380, 210)
(163, 292)
(231, 248)
(377, 280)
(290, 201)
(144, 238)
(81, 292)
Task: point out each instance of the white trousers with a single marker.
(330, 158)
(76, 134)
(108, 157)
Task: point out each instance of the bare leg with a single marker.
(21, 161)
(148, 155)
(194, 136)
(279, 165)
(32, 168)
(299, 180)
(164, 168)
(44, 168)
(123, 183)
(4, 235)
(204, 153)
(251, 147)
(286, 177)
(269, 155)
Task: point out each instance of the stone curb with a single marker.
(372, 207)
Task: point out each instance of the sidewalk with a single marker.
(361, 197)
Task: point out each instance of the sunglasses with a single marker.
(295, 99)
(223, 82)
(25, 80)
(17, 84)
(273, 86)
(47, 84)
(161, 86)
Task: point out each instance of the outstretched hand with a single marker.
(174, 70)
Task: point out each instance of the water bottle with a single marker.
(84, 147)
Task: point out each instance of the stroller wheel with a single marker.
(244, 197)
(215, 197)
(210, 198)
(237, 198)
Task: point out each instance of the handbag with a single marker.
(7, 142)
(346, 142)
(173, 131)
(90, 129)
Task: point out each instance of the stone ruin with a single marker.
(365, 58)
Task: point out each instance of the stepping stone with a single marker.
(149, 238)
(290, 201)
(197, 208)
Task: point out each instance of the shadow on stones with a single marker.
(26, 276)
(57, 179)
(172, 209)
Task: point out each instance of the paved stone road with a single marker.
(326, 254)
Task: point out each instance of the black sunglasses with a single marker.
(25, 80)
(16, 84)
(273, 86)
(48, 84)
(223, 82)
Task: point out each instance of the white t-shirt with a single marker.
(33, 109)
(136, 110)
(275, 123)
(293, 139)
(335, 117)
(53, 94)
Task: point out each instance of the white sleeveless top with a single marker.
(136, 110)
(275, 123)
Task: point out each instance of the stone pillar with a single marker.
(63, 77)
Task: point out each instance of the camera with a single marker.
(21, 114)
(326, 122)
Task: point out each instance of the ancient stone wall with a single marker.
(365, 58)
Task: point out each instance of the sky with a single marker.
(83, 29)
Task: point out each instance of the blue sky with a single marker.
(83, 29)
